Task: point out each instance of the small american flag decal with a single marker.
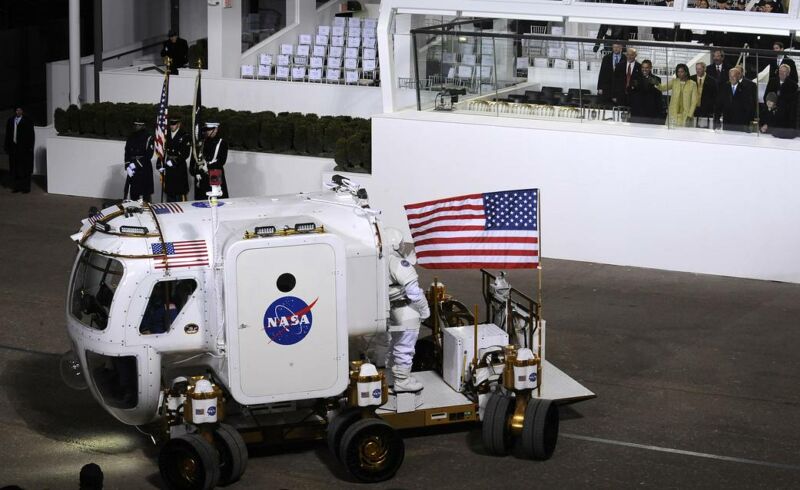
(187, 253)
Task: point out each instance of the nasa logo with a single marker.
(205, 204)
(532, 377)
(405, 263)
(376, 393)
(211, 411)
(288, 320)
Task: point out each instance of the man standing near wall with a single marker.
(605, 79)
(18, 144)
(177, 50)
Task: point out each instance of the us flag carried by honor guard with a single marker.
(161, 120)
(496, 229)
(188, 253)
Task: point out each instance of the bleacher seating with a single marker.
(343, 53)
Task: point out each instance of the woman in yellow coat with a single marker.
(683, 98)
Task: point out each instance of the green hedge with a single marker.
(346, 139)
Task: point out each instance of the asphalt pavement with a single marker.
(697, 382)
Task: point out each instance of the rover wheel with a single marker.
(341, 421)
(232, 454)
(189, 462)
(540, 429)
(371, 450)
(496, 431)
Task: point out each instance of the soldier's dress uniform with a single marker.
(215, 153)
(175, 169)
(138, 165)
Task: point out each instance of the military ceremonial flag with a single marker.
(196, 115)
(499, 230)
(161, 119)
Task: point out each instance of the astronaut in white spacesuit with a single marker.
(408, 308)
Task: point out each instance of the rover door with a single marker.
(287, 318)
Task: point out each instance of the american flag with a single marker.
(161, 119)
(188, 253)
(495, 229)
(166, 208)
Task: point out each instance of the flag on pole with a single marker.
(161, 120)
(498, 230)
(196, 115)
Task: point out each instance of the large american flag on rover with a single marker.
(498, 230)
(187, 253)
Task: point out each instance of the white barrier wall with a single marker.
(93, 168)
(246, 94)
(647, 197)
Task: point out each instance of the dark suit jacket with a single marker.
(605, 80)
(618, 87)
(705, 107)
(646, 100)
(773, 68)
(739, 109)
(25, 136)
(720, 77)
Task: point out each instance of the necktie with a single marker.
(733, 88)
(616, 60)
(16, 122)
(628, 75)
(700, 87)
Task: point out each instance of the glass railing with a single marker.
(461, 69)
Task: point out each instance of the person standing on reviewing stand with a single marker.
(177, 50)
(19, 142)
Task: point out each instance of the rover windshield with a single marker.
(93, 285)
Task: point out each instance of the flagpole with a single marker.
(164, 147)
(539, 292)
(194, 111)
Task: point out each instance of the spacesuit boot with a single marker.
(404, 381)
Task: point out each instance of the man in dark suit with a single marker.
(177, 50)
(706, 91)
(786, 91)
(718, 70)
(605, 80)
(625, 73)
(19, 142)
(736, 102)
(781, 59)
(645, 98)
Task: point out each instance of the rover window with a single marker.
(115, 378)
(165, 303)
(93, 286)
(286, 282)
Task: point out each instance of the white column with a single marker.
(224, 38)
(74, 51)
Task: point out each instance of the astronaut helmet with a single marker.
(395, 240)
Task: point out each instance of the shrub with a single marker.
(268, 134)
(315, 136)
(300, 137)
(60, 121)
(333, 131)
(283, 140)
(340, 154)
(354, 150)
(73, 119)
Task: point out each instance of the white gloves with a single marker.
(130, 171)
(418, 301)
(161, 170)
(169, 163)
(198, 177)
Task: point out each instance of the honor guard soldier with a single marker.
(213, 155)
(408, 308)
(138, 163)
(174, 169)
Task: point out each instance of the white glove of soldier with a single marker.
(161, 169)
(198, 177)
(130, 171)
(169, 163)
(418, 301)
